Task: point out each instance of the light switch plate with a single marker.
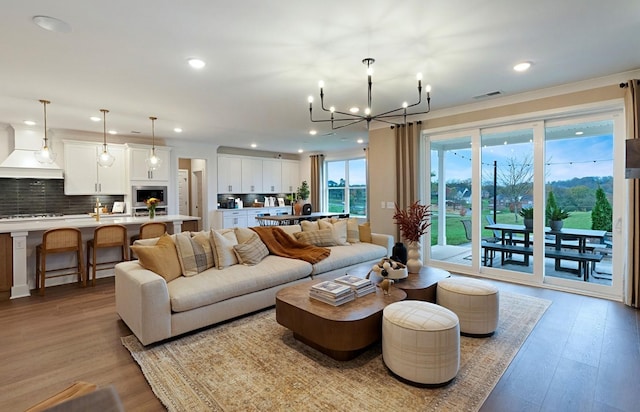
(391, 205)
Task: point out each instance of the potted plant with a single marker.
(302, 194)
(556, 216)
(527, 215)
(303, 191)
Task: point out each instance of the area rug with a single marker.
(254, 364)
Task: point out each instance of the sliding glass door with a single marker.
(494, 190)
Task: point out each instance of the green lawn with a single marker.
(455, 230)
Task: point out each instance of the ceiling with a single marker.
(265, 57)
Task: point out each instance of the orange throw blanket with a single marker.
(280, 243)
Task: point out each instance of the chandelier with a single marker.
(340, 119)
(153, 162)
(105, 159)
(45, 155)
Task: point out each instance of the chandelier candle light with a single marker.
(352, 117)
(153, 161)
(105, 159)
(45, 155)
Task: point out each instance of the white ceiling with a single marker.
(265, 57)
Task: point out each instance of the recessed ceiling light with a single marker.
(95, 118)
(177, 130)
(579, 133)
(196, 63)
(29, 122)
(254, 145)
(354, 110)
(51, 24)
(360, 141)
(521, 67)
(300, 150)
(112, 132)
(313, 132)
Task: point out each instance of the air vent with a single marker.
(490, 94)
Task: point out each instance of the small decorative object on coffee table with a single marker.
(389, 269)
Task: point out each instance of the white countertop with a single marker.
(80, 221)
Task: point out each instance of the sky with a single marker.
(566, 158)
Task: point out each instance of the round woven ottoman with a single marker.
(421, 342)
(474, 301)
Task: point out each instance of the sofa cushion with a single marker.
(308, 226)
(195, 253)
(321, 238)
(214, 285)
(223, 241)
(353, 233)
(338, 228)
(161, 258)
(252, 251)
(365, 232)
(343, 256)
(291, 230)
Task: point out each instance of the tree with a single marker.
(516, 179)
(601, 214)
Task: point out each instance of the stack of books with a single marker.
(359, 285)
(332, 293)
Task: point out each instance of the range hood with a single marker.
(21, 144)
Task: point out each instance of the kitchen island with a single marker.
(26, 234)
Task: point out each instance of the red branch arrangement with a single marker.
(414, 221)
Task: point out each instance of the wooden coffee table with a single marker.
(419, 286)
(341, 332)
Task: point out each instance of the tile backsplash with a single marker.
(39, 196)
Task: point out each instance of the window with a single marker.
(347, 187)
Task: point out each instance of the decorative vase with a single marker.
(556, 225)
(297, 208)
(399, 253)
(528, 223)
(152, 214)
(414, 257)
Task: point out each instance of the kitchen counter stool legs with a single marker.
(55, 241)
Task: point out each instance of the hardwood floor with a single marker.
(584, 354)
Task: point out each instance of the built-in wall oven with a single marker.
(140, 194)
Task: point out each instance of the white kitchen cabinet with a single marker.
(290, 176)
(251, 216)
(227, 219)
(271, 176)
(83, 176)
(229, 174)
(251, 175)
(138, 170)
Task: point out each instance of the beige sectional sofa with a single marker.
(156, 309)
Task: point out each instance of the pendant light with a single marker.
(45, 155)
(153, 161)
(105, 159)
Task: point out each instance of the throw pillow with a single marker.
(353, 233)
(161, 258)
(223, 241)
(252, 251)
(338, 228)
(243, 234)
(365, 233)
(195, 253)
(308, 226)
(322, 237)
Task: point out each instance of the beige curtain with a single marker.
(317, 162)
(407, 171)
(632, 114)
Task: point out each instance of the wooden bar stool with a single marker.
(54, 241)
(108, 236)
